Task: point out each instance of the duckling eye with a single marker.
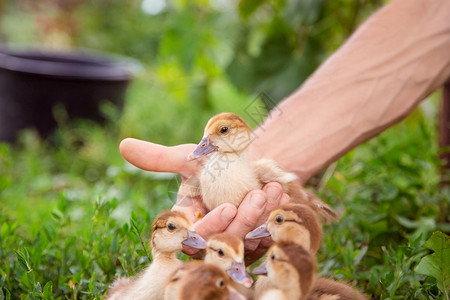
(171, 227)
(279, 219)
(272, 257)
(224, 130)
(221, 252)
(220, 283)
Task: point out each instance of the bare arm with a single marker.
(394, 60)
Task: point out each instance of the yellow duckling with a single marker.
(171, 229)
(199, 281)
(228, 174)
(296, 223)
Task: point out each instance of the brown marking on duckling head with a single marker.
(227, 252)
(170, 230)
(228, 132)
(230, 241)
(213, 125)
(162, 218)
(199, 281)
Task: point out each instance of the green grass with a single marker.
(74, 215)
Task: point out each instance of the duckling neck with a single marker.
(299, 237)
(164, 256)
(241, 154)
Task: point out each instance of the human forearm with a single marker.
(394, 60)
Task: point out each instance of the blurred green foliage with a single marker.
(260, 46)
(74, 215)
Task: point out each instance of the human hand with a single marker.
(252, 212)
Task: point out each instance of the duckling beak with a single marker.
(260, 270)
(194, 240)
(234, 294)
(240, 275)
(203, 148)
(258, 232)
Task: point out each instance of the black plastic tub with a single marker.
(32, 82)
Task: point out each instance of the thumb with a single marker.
(159, 158)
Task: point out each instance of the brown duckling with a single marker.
(228, 174)
(200, 281)
(227, 252)
(292, 222)
(171, 229)
(291, 271)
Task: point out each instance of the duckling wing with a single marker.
(327, 289)
(300, 194)
(268, 170)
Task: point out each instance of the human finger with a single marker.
(274, 192)
(159, 158)
(285, 199)
(215, 221)
(249, 212)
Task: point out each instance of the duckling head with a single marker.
(291, 268)
(172, 229)
(225, 133)
(227, 252)
(200, 281)
(292, 223)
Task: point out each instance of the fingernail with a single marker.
(228, 214)
(272, 193)
(257, 200)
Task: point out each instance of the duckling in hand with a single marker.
(296, 223)
(228, 174)
(171, 229)
(199, 281)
